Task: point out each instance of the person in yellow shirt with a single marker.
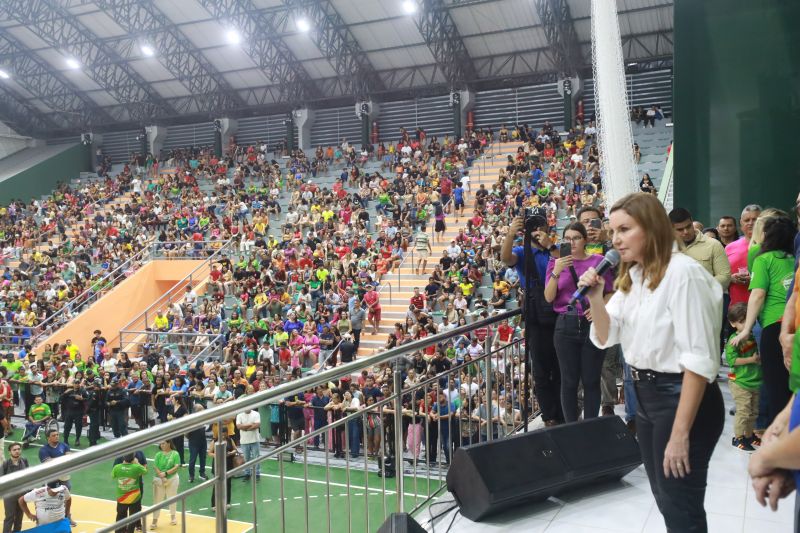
(161, 321)
(72, 349)
(327, 215)
(502, 286)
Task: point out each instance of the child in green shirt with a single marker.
(745, 380)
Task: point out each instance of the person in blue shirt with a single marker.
(544, 364)
(458, 200)
(440, 415)
(318, 403)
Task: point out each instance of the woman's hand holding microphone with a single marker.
(595, 282)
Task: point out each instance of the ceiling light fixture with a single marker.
(73, 63)
(409, 7)
(303, 25)
(5, 75)
(233, 36)
(148, 50)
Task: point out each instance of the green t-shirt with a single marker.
(168, 461)
(39, 411)
(127, 477)
(772, 272)
(752, 253)
(12, 367)
(746, 376)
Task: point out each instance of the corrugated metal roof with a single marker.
(502, 38)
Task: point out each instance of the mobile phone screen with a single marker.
(565, 249)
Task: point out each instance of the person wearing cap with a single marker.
(51, 502)
(118, 403)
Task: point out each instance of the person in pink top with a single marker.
(737, 256)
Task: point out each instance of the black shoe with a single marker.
(204, 476)
(191, 480)
(78, 442)
(246, 479)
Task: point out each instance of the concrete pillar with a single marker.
(228, 128)
(467, 105)
(304, 119)
(156, 136)
(570, 92)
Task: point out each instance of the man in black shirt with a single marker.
(74, 402)
(13, 512)
(445, 261)
(347, 350)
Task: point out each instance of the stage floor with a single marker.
(628, 506)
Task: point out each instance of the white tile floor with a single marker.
(628, 506)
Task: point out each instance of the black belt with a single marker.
(653, 376)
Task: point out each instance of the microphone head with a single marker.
(612, 256)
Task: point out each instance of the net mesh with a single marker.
(615, 140)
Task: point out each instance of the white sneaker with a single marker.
(153, 526)
(173, 521)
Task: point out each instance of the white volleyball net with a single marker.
(615, 139)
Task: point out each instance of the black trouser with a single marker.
(356, 338)
(70, 418)
(680, 500)
(13, 514)
(177, 443)
(580, 361)
(124, 510)
(546, 374)
(94, 426)
(198, 448)
(119, 426)
(776, 377)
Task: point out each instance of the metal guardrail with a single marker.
(176, 293)
(97, 288)
(489, 368)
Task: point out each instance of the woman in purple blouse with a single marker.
(579, 359)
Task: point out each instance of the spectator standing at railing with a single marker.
(74, 401)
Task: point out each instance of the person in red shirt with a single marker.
(504, 334)
(418, 300)
(373, 308)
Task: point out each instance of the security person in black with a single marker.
(94, 394)
(74, 401)
(118, 404)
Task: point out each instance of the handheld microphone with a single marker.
(610, 260)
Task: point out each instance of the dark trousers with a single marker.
(776, 377)
(13, 514)
(118, 425)
(356, 338)
(546, 374)
(70, 418)
(197, 452)
(94, 426)
(177, 443)
(125, 510)
(580, 361)
(680, 500)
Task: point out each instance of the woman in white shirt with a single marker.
(665, 313)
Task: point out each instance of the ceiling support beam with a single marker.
(58, 28)
(68, 105)
(561, 35)
(440, 33)
(210, 91)
(268, 52)
(331, 35)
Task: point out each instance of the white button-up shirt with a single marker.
(673, 328)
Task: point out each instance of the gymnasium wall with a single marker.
(41, 178)
(737, 104)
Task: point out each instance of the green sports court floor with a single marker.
(275, 511)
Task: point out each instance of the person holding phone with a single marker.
(580, 361)
(544, 363)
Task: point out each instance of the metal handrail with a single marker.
(37, 476)
(181, 284)
(44, 327)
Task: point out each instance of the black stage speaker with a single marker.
(400, 523)
(492, 476)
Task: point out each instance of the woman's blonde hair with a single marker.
(758, 227)
(648, 212)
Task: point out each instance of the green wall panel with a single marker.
(736, 94)
(42, 178)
